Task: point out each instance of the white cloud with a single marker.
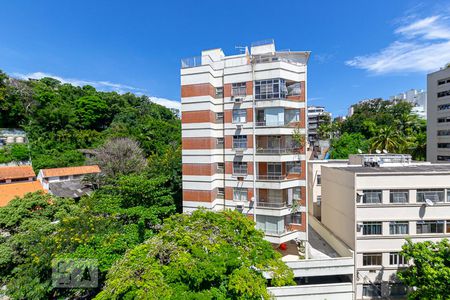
(422, 46)
(166, 102)
(103, 86)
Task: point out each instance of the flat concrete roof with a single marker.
(411, 169)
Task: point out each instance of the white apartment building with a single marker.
(377, 201)
(317, 115)
(239, 116)
(438, 116)
(416, 97)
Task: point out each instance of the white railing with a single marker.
(274, 177)
(276, 150)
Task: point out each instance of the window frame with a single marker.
(242, 194)
(372, 227)
(240, 142)
(372, 259)
(240, 117)
(430, 224)
(239, 89)
(392, 194)
(370, 192)
(393, 227)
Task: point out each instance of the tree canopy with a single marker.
(378, 125)
(429, 272)
(206, 255)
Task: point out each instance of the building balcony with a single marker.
(277, 151)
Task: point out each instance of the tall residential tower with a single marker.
(438, 116)
(243, 129)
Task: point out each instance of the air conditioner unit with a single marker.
(240, 207)
(237, 99)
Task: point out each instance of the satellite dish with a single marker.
(359, 151)
(429, 202)
(378, 151)
(385, 151)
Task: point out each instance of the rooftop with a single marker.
(69, 189)
(408, 169)
(81, 170)
(16, 172)
(10, 191)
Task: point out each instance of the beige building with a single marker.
(315, 183)
(377, 201)
(438, 116)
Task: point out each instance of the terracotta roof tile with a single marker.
(9, 191)
(15, 172)
(71, 171)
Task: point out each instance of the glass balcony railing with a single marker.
(274, 177)
(272, 204)
(277, 150)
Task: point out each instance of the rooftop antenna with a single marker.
(240, 48)
(385, 151)
(378, 151)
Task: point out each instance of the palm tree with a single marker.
(387, 138)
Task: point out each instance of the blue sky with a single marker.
(360, 49)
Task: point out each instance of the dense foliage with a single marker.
(378, 125)
(135, 142)
(205, 255)
(40, 228)
(429, 272)
(61, 118)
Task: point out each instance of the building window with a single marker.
(423, 227)
(435, 195)
(291, 115)
(372, 228)
(395, 259)
(239, 168)
(294, 89)
(443, 132)
(398, 196)
(296, 193)
(444, 106)
(294, 218)
(220, 193)
(372, 196)
(372, 290)
(220, 168)
(443, 94)
(239, 115)
(443, 81)
(319, 180)
(443, 158)
(240, 194)
(448, 226)
(399, 227)
(273, 171)
(270, 224)
(293, 167)
(239, 89)
(63, 177)
(319, 200)
(444, 120)
(219, 142)
(444, 145)
(270, 89)
(372, 259)
(240, 142)
(219, 92)
(219, 117)
(397, 290)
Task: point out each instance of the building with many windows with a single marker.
(377, 201)
(243, 134)
(438, 116)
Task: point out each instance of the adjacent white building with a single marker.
(377, 201)
(438, 116)
(417, 97)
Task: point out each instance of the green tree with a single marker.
(348, 143)
(205, 255)
(387, 138)
(429, 272)
(92, 111)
